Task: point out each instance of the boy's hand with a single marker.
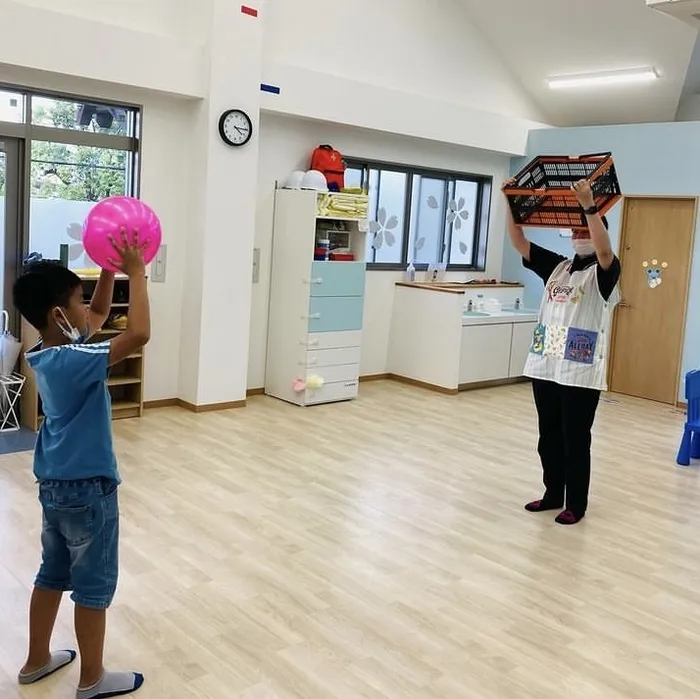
(130, 255)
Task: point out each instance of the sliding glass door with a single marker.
(11, 208)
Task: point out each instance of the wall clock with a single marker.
(235, 127)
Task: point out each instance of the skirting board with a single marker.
(460, 389)
(492, 384)
(179, 403)
(162, 403)
(423, 384)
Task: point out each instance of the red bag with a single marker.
(330, 162)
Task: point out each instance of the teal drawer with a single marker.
(338, 279)
(335, 313)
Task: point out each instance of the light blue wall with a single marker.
(661, 159)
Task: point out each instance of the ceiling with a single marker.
(541, 38)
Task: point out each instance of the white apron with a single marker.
(571, 341)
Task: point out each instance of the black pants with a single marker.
(566, 415)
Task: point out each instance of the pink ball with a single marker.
(108, 218)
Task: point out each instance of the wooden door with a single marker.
(655, 249)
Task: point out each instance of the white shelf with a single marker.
(342, 218)
(299, 347)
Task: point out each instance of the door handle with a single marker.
(622, 304)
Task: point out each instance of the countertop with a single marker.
(458, 287)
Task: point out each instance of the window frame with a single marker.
(481, 215)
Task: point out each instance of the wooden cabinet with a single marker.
(125, 380)
(485, 353)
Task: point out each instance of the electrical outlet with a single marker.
(256, 265)
(158, 265)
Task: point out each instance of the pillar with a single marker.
(223, 183)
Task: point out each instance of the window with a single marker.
(83, 116)
(65, 183)
(80, 152)
(423, 216)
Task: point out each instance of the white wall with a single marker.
(185, 19)
(431, 49)
(100, 48)
(689, 108)
(285, 145)
(165, 185)
(411, 67)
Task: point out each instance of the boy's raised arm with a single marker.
(138, 324)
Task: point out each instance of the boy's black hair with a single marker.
(42, 286)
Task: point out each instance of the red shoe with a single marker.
(568, 517)
(542, 505)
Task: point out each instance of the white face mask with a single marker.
(583, 247)
(70, 331)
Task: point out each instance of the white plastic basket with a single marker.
(10, 347)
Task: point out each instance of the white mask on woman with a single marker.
(583, 247)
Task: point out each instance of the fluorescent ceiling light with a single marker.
(612, 77)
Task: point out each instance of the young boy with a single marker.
(74, 461)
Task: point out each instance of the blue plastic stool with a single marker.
(690, 445)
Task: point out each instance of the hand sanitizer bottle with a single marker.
(410, 273)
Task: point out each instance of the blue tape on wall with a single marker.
(272, 89)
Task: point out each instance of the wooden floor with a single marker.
(379, 549)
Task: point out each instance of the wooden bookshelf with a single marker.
(125, 381)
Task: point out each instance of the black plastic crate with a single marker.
(541, 194)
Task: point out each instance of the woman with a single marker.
(568, 358)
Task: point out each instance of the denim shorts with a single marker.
(80, 540)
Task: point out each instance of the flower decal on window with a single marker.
(383, 229)
(456, 213)
(456, 216)
(76, 249)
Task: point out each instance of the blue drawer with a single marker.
(335, 313)
(338, 279)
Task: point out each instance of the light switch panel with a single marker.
(256, 265)
(158, 265)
